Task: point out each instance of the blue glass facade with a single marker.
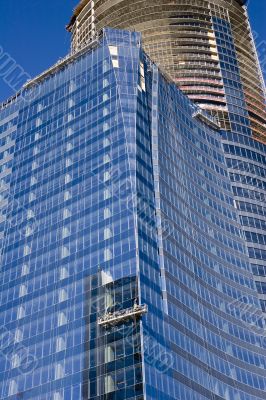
(208, 50)
(245, 157)
(73, 155)
(125, 274)
(201, 249)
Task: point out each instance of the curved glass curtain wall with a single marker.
(115, 192)
(245, 157)
(203, 260)
(207, 49)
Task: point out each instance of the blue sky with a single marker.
(33, 32)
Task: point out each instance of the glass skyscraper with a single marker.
(125, 272)
(207, 49)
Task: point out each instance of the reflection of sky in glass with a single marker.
(110, 163)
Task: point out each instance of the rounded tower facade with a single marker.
(181, 37)
(207, 48)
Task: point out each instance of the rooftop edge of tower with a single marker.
(83, 3)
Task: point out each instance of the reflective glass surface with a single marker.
(124, 270)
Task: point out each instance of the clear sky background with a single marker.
(33, 33)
